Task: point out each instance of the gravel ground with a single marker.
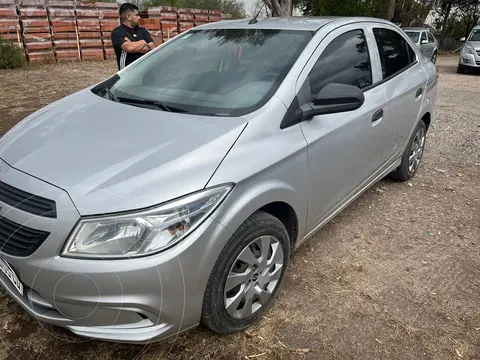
(395, 276)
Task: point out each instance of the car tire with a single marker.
(434, 57)
(217, 296)
(460, 69)
(412, 155)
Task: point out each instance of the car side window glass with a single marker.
(395, 53)
(424, 37)
(345, 60)
(431, 38)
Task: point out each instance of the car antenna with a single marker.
(254, 20)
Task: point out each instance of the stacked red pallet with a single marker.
(9, 22)
(201, 17)
(36, 30)
(109, 20)
(169, 20)
(214, 16)
(64, 29)
(154, 27)
(88, 24)
(186, 19)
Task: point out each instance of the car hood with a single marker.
(475, 44)
(113, 157)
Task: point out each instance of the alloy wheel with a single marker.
(416, 151)
(253, 277)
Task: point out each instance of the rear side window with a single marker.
(424, 36)
(345, 60)
(431, 38)
(395, 53)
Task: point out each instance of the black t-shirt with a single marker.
(118, 38)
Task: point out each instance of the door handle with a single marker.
(419, 92)
(378, 115)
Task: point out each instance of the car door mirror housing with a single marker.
(462, 39)
(424, 42)
(334, 98)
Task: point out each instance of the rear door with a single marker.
(404, 83)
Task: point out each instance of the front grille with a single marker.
(18, 240)
(25, 201)
(478, 53)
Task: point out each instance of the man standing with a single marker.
(130, 40)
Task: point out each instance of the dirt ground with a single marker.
(395, 276)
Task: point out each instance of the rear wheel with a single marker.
(412, 156)
(434, 57)
(248, 275)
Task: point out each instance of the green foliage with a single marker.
(375, 8)
(11, 55)
(234, 7)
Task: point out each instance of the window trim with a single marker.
(321, 44)
(399, 72)
(369, 54)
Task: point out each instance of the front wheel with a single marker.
(460, 69)
(412, 156)
(248, 275)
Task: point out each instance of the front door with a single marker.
(342, 148)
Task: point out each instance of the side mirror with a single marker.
(424, 42)
(334, 98)
(462, 39)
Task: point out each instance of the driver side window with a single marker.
(345, 60)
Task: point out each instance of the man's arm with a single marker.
(119, 40)
(135, 46)
(149, 40)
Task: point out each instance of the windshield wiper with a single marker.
(112, 97)
(155, 103)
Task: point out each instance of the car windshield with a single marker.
(413, 35)
(223, 72)
(475, 35)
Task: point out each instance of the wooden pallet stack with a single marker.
(36, 30)
(154, 27)
(201, 17)
(109, 20)
(168, 18)
(61, 14)
(9, 22)
(186, 19)
(88, 25)
(214, 16)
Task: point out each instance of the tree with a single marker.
(444, 8)
(470, 13)
(280, 7)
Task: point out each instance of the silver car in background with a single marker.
(425, 41)
(174, 193)
(470, 53)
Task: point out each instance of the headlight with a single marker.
(146, 232)
(469, 49)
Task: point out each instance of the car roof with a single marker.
(309, 23)
(415, 29)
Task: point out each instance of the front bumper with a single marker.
(134, 300)
(470, 60)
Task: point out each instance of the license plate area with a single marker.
(10, 274)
